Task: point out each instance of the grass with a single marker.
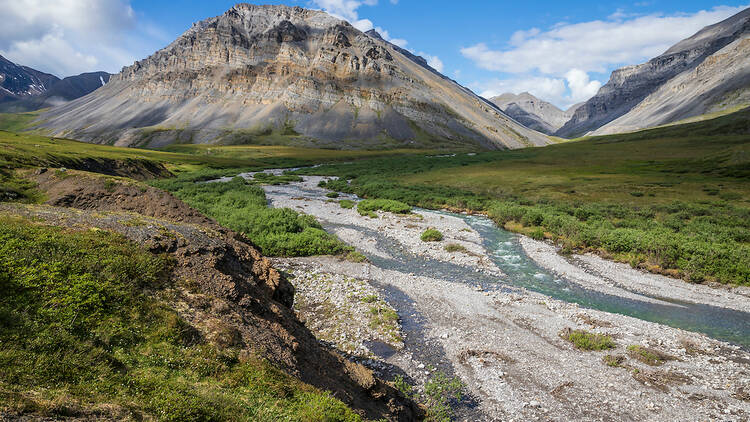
(369, 206)
(647, 355)
(356, 257)
(242, 207)
(27, 149)
(454, 247)
(80, 336)
(614, 361)
(672, 200)
(346, 204)
(16, 122)
(440, 392)
(431, 235)
(14, 188)
(584, 340)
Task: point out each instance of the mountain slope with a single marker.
(59, 92)
(630, 86)
(285, 75)
(18, 82)
(532, 112)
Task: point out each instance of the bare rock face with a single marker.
(301, 74)
(649, 82)
(532, 112)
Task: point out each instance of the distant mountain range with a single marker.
(705, 73)
(286, 75)
(534, 113)
(25, 89)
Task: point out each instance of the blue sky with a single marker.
(559, 51)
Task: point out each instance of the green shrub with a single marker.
(370, 299)
(431, 235)
(584, 340)
(243, 207)
(537, 233)
(356, 257)
(454, 247)
(346, 203)
(647, 355)
(332, 195)
(367, 206)
(614, 361)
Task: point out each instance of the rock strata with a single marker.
(291, 74)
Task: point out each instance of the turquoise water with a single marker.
(505, 250)
(521, 271)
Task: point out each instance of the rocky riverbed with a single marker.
(504, 342)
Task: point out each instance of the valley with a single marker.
(288, 214)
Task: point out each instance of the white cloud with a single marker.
(344, 9)
(593, 46)
(433, 61)
(541, 87)
(581, 87)
(555, 64)
(386, 36)
(67, 37)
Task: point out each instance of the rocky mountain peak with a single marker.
(532, 112)
(259, 70)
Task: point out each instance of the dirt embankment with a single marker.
(224, 287)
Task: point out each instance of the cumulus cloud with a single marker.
(67, 37)
(593, 46)
(567, 52)
(433, 61)
(574, 87)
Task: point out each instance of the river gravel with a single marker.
(505, 343)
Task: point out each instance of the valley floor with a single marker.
(505, 342)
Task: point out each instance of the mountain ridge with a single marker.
(631, 85)
(532, 112)
(298, 75)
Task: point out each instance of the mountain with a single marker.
(285, 75)
(532, 112)
(706, 72)
(17, 82)
(59, 92)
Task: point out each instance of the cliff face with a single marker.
(532, 112)
(315, 79)
(631, 85)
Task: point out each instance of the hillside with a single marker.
(18, 82)
(59, 92)
(122, 302)
(707, 72)
(532, 112)
(276, 74)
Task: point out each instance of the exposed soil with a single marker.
(221, 284)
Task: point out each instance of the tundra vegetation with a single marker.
(85, 325)
(431, 235)
(691, 221)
